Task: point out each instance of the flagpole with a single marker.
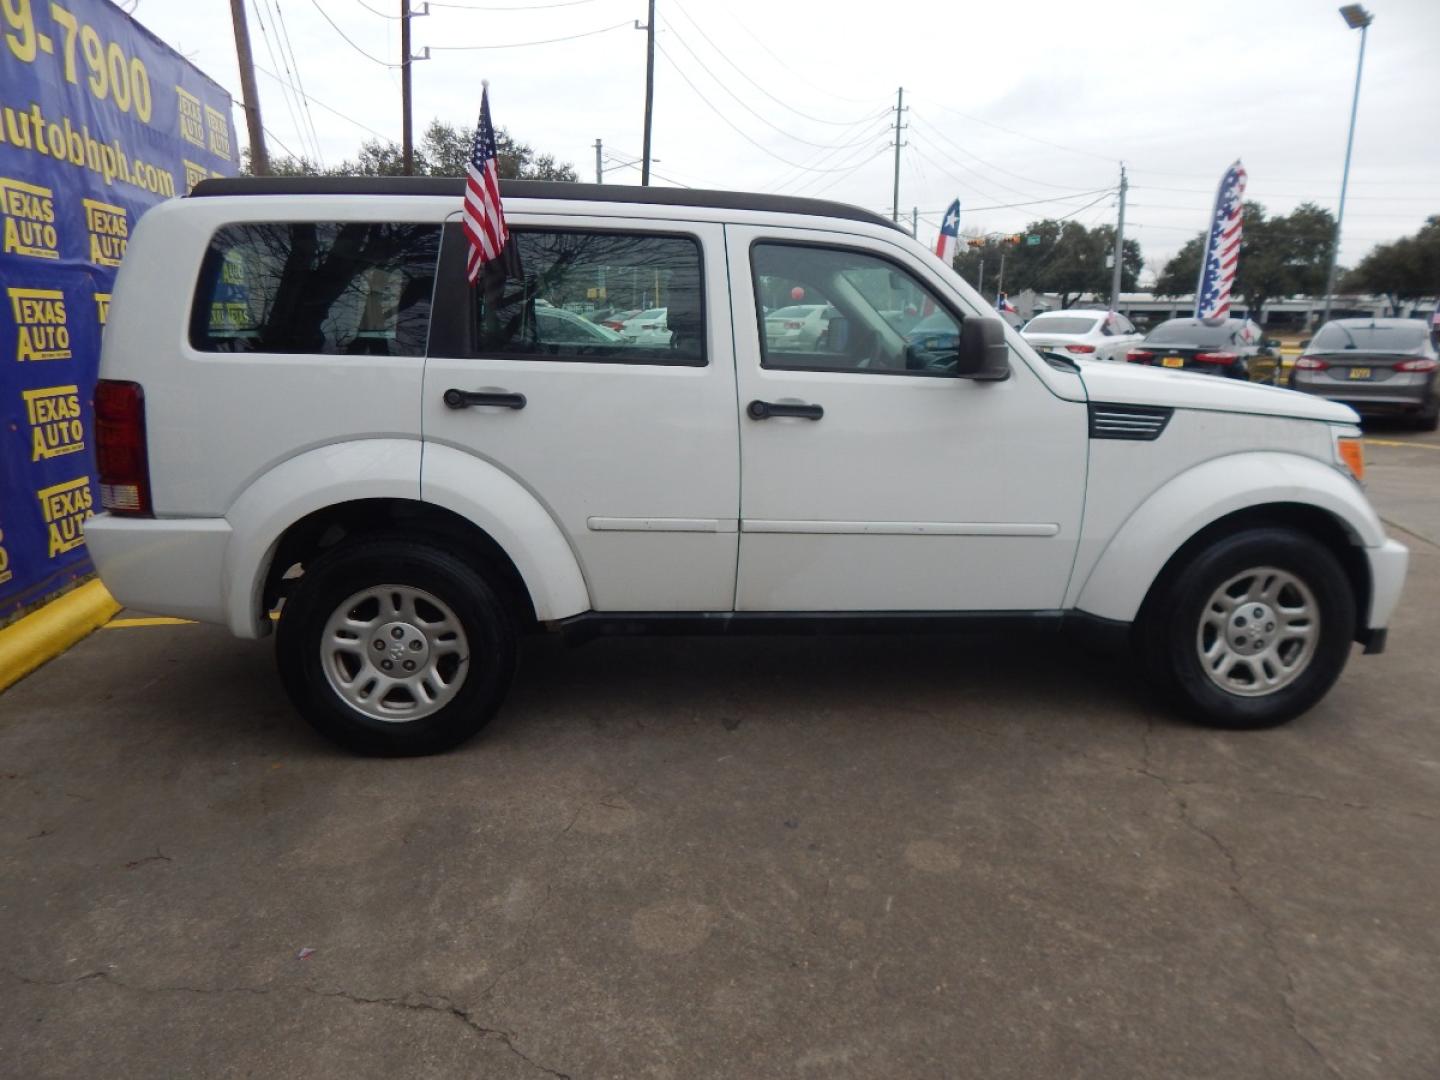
(649, 94)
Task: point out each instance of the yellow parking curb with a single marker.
(45, 634)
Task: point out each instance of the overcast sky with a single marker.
(1025, 101)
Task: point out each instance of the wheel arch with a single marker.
(323, 529)
(1206, 501)
(467, 503)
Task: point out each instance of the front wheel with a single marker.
(1252, 631)
(390, 646)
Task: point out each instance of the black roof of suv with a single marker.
(536, 189)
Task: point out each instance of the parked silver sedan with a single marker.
(1379, 367)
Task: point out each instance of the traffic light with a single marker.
(976, 241)
(1015, 239)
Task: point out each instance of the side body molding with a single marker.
(1188, 502)
(516, 520)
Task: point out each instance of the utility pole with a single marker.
(915, 222)
(259, 156)
(407, 134)
(1000, 285)
(649, 92)
(980, 285)
(899, 127)
(599, 166)
(1119, 244)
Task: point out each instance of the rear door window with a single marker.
(328, 288)
(563, 294)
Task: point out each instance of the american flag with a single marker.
(1222, 252)
(484, 217)
(949, 234)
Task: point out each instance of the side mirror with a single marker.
(983, 352)
(1303, 343)
(1272, 343)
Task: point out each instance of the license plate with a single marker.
(1172, 361)
(1359, 373)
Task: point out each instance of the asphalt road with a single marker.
(861, 857)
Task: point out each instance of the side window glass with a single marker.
(832, 309)
(598, 296)
(329, 288)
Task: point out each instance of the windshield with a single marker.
(1336, 337)
(1191, 332)
(1060, 324)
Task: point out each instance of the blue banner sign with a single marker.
(99, 120)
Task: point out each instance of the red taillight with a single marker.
(613, 325)
(1310, 363)
(1080, 348)
(1139, 356)
(120, 447)
(792, 324)
(1222, 358)
(1423, 364)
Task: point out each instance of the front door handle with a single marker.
(764, 410)
(463, 399)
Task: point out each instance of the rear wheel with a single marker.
(390, 646)
(1253, 631)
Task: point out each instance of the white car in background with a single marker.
(1094, 335)
(799, 327)
(647, 328)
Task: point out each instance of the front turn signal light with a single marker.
(1352, 453)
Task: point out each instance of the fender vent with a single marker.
(1143, 423)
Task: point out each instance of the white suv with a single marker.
(308, 420)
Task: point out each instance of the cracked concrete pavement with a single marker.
(854, 857)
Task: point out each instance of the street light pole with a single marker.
(1357, 18)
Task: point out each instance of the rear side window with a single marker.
(603, 297)
(328, 288)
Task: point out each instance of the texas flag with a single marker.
(949, 241)
(1002, 303)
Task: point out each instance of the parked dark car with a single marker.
(1235, 348)
(1379, 367)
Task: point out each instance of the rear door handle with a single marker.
(764, 410)
(463, 399)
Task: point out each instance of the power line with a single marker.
(346, 37)
(287, 87)
(711, 106)
(853, 169)
(636, 165)
(1032, 138)
(741, 102)
(792, 178)
(299, 82)
(329, 108)
(377, 11)
(990, 164)
(526, 44)
(1102, 192)
(511, 7)
(784, 105)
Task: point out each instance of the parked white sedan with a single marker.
(1094, 335)
(647, 328)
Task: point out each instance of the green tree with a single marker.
(1403, 271)
(1279, 256)
(443, 150)
(1070, 260)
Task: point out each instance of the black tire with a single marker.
(1429, 420)
(490, 635)
(1170, 628)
